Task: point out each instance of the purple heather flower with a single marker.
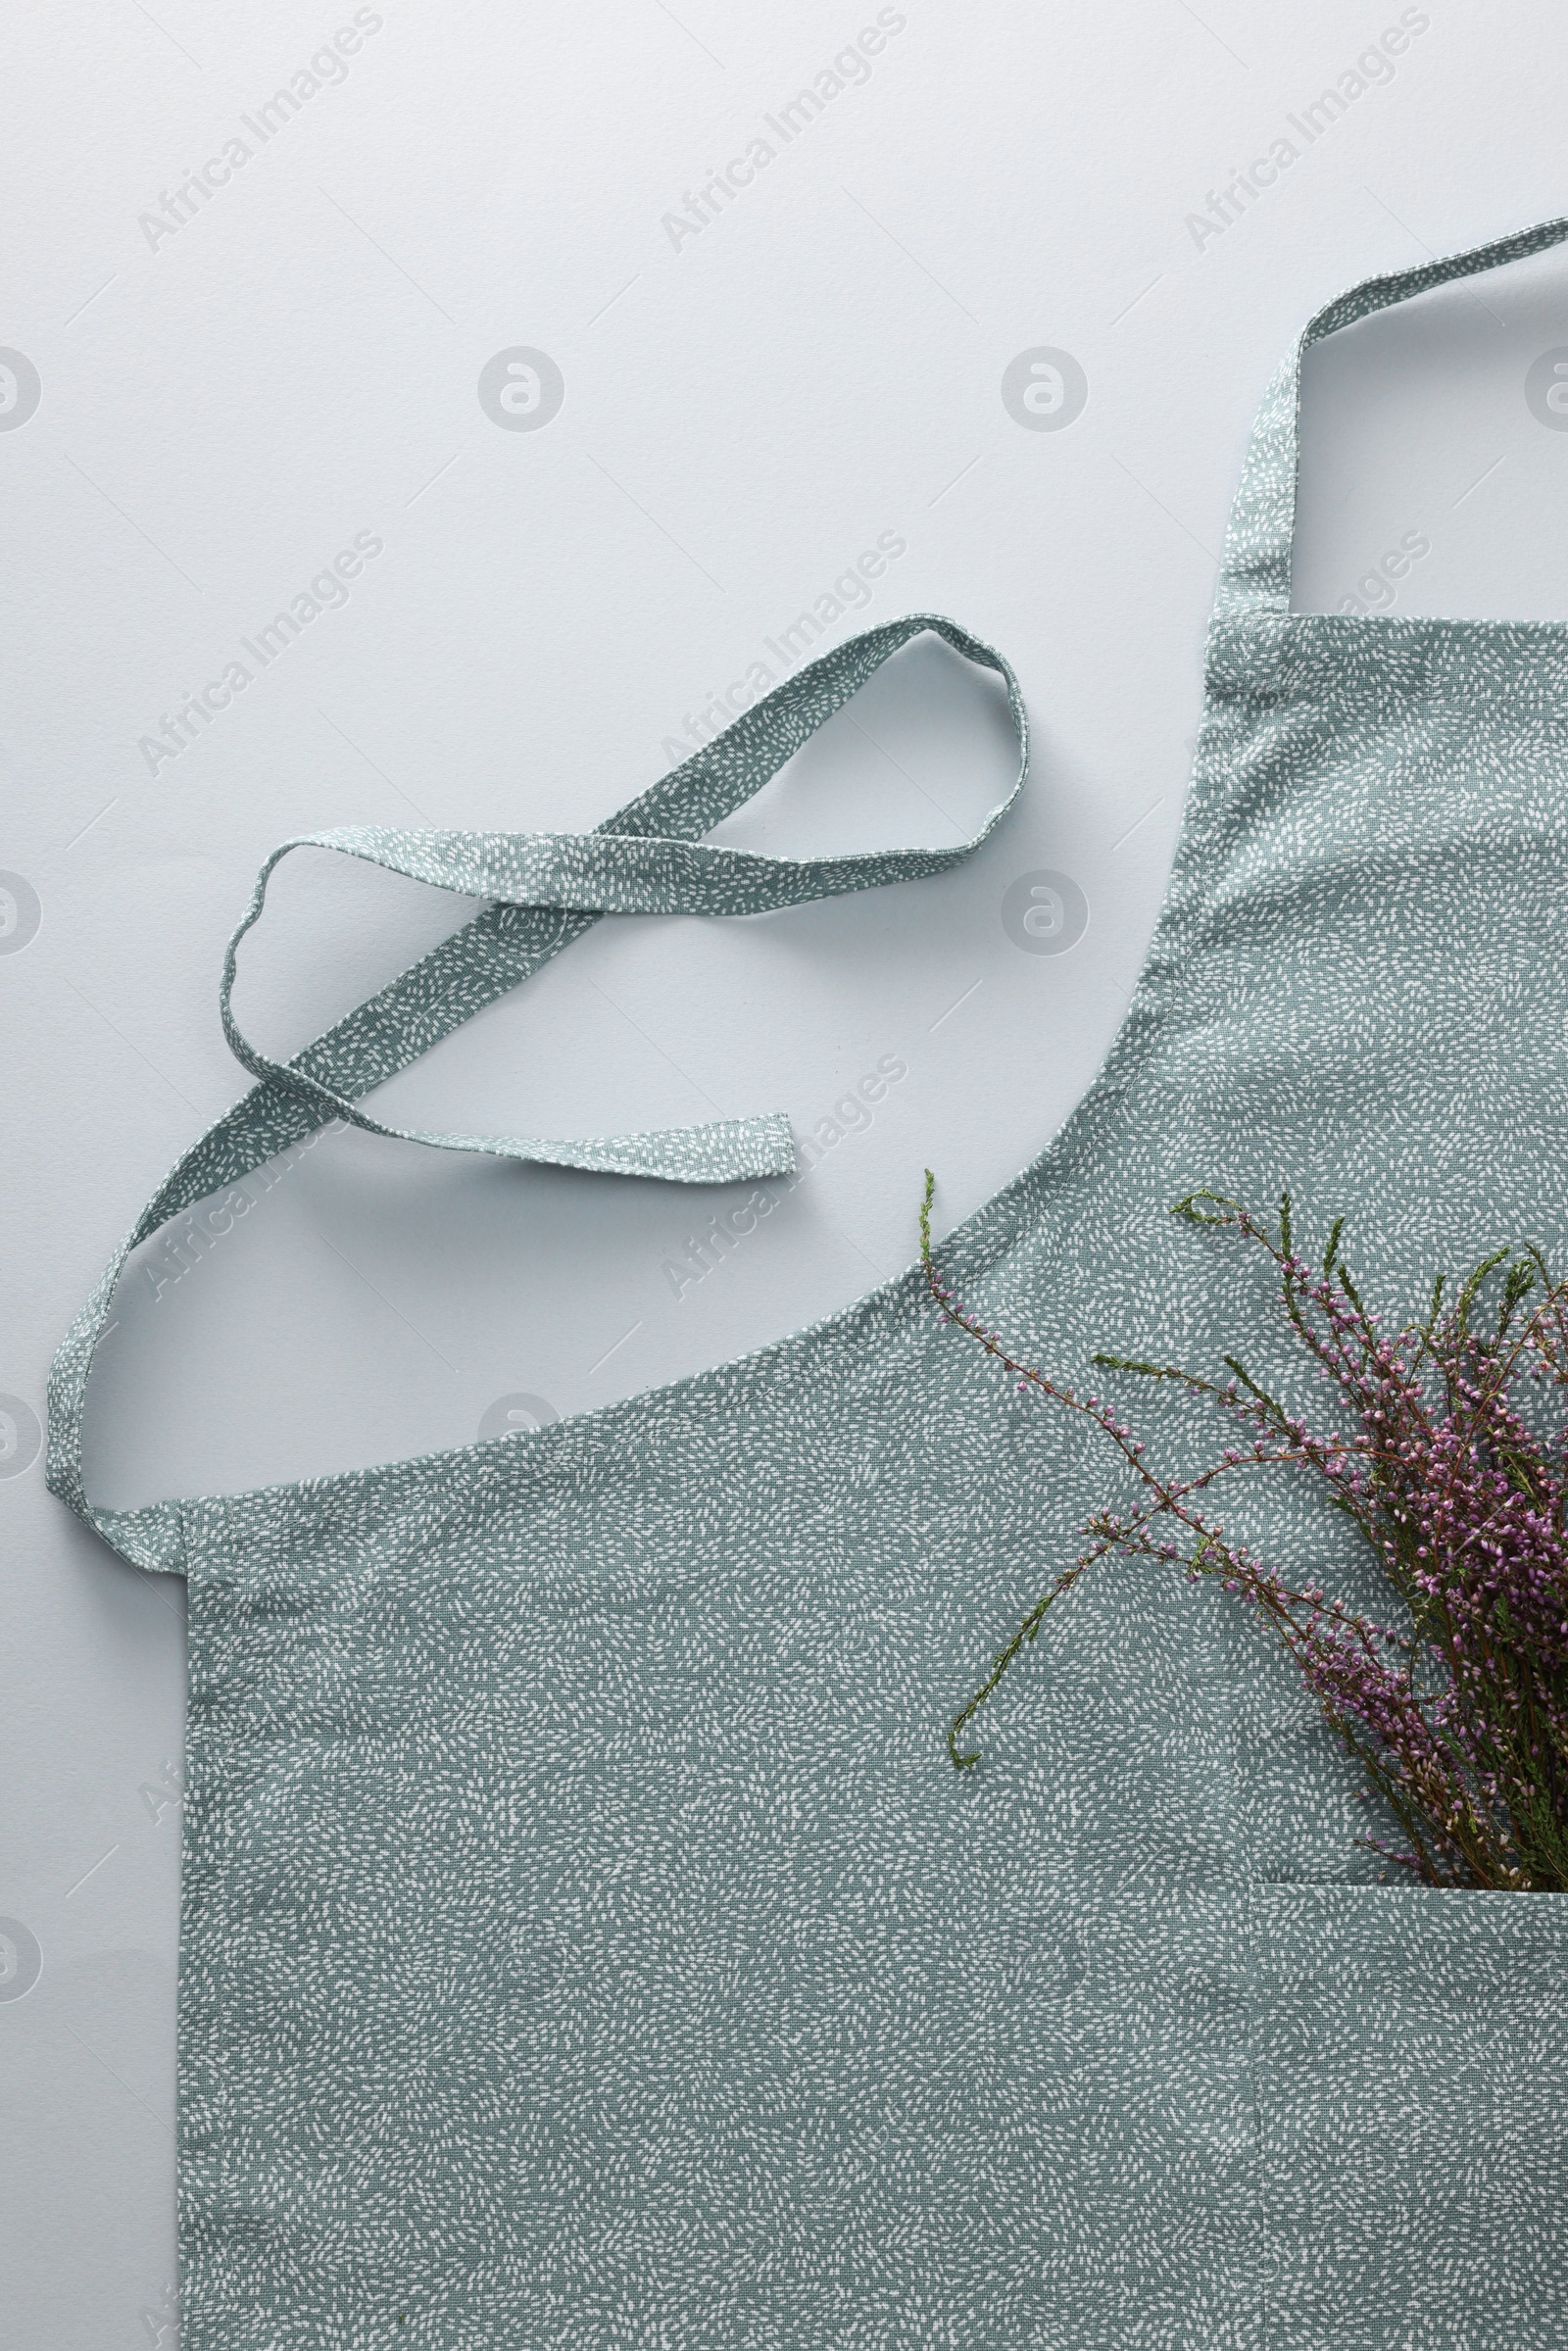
(1458, 1717)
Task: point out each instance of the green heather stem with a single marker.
(1459, 1717)
(1168, 1498)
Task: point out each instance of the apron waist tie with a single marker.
(542, 890)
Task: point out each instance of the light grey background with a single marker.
(748, 406)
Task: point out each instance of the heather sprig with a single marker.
(1458, 1710)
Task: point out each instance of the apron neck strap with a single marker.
(543, 891)
(1255, 573)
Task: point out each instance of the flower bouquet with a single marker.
(1442, 1448)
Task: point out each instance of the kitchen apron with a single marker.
(586, 1940)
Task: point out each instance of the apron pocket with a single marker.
(1409, 2050)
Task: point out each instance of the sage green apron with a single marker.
(586, 1940)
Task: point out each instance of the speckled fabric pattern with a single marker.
(1407, 2059)
(662, 869)
(586, 1941)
